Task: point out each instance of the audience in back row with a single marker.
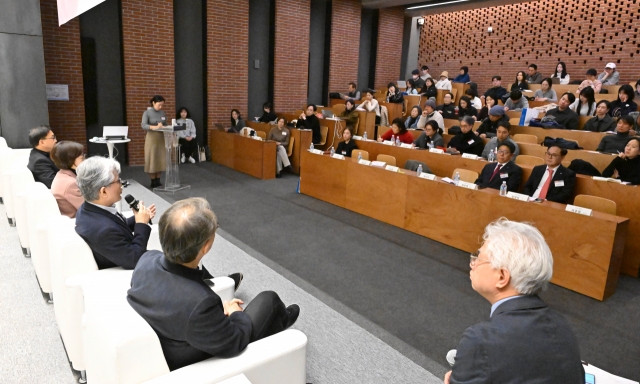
(429, 90)
(534, 76)
(444, 82)
(591, 81)
(466, 109)
(489, 102)
(67, 156)
(268, 115)
(602, 121)
(638, 89)
(309, 120)
(350, 114)
(521, 82)
(42, 140)
(561, 73)
(585, 104)
(545, 93)
(504, 170)
(236, 122)
(429, 113)
(472, 93)
(624, 104)
(370, 104)
(563, 115)
(616, 143)
(610, 76)
(447, 109)
(424, 73)
(516, 102)
(496, 91)
(463, 76)
(393, 94)
(419, 81)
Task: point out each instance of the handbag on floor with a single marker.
(203, 154)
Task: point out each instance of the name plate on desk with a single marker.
(316, 152)
(611, 180)
(428, 176)
(580, 210)
(357, 137)
(517, 196)
(436, 150)
(405, 145)
(364, 162)
(469, 156)
(464, 184)
(337, 156)
(388, 142)
(392, 168)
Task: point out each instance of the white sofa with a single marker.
(21, 181)
(8, 161)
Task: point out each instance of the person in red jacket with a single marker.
(397, 130)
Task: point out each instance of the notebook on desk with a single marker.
(115, 132)
(328, 114)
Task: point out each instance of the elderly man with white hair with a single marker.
(523, 341)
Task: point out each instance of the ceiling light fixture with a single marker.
(435, 5)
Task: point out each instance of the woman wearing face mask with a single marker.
(347, 146)
(236, 122)
(398, 130)
(625, 104)
(545, 93)
(626, 166)
(432, 134)
(561, 73)
(414, 116)
(585, 104)
(601, 122)
(153, 119)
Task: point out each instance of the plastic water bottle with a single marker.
(419, 169)
(364, 136)
(393, 139)
(398, 141)
(333, 151)
(491, 157)
(430, 145)
(456, 178)
(311, 147)
(503, 189)
(360, 155)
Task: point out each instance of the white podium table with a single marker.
(110, 143)
(172, 173)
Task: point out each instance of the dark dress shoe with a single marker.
(293, 311)
(237, 278)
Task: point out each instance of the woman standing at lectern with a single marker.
(154, 153)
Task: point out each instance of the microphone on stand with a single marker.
(133, 204)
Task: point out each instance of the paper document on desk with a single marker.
(447, 180)
(603, 377)
(380, 164)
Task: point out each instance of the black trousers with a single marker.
(268, 315)
(189, 147)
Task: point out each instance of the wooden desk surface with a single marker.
(587, 140)
(586, 259)
(253, 157)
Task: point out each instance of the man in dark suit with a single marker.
(40, 164)
(494, 174)
(523, 341)
(191, 321)
(553, 181)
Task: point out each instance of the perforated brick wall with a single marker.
(389, 54)
(291, 55)
(147, 38)
(345, 47)
(63, 65)
(583, 34)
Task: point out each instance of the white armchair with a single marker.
(21, 181)
(3, 142)
(5, 155)
(8, 161)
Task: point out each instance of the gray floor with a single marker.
(410, 292)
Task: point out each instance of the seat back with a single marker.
(3, 143)
(529, 160)
(4, 156)
(390, 160)
(323, 135)
(290, 147)
(21, 181)
(412, 165)
(525, 138)
(514, 120)
(596, 203)
(8, 163)
(465, 175)
(261, 134)
(355, 152)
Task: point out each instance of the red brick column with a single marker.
(147, 37)
(63, 65)
(291, 62)
(389, 54)
(345, 44)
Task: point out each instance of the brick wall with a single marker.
(389, 54)
(63, 65)
(227, 59)
(533, 32)
(291, 55)
(345, 47)
(149, 70)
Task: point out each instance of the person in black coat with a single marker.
(40, 164)
(191, 321)
(560, 188)
(523, 340)
(348, 145)
(393, 94)
(494, 174)
(489, 126)
(626, 166)
(268, 115)
(466, 141)
(308, 120)
(448, 109)
(429, 90)
(624, 104)
(236, 122)
(114, 240)
(497, 91)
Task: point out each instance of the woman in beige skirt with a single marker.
(154, 151)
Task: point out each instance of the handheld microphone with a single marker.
(451, 357)
(133, 204)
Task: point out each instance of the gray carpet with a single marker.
(411, 292)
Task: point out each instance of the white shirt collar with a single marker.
(495, 305)
(112, 209)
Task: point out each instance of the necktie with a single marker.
(495, 172)
(545, 187)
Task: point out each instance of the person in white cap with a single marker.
(444, 82)
(610, 76)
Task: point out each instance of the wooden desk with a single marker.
(394, 109)
(599, 160)
(587, 140)
(253, 157)
(586, 259)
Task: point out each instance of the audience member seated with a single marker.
(502, 136)
(424, 73)
(638, 89)
(350, 114)
(40, 164)
(610, 76)
(448, 109)
(281, 135)
(466, 141)
(415, 75)
(472, 94)
(496, 91)
(553, 181)
(411, 88)
(591, 81)
(236, 122)
(466, 109)
(505, 170)
(398, 131)
(534, 77)
(561, 73)
(489, 126)
(624, 104)
(429, 113)
(516, 102)
(170, 293)
(268, 115)
(393, 94)
(114, 240)
(309, 120)
(585, 104)
(626, 166)
(523, 340)
(489, 102)
(563, 114)
(187, 137)
(353, 93)
(432, 134)
(444, 82)
(617, 143)
(67, 155)
(463, 77)
(429, 90)
(602, 122)
(347, 146)
(414, 116)
(545, 93)
(521, 82)
(370, 104)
